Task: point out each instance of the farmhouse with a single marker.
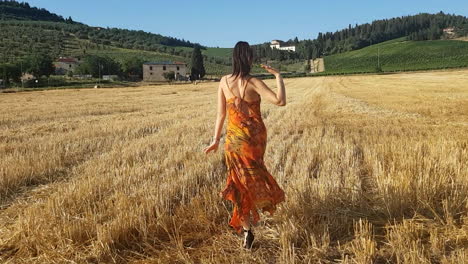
(449, 30)
(154, 71)
(63, 65)
(26, 77)
(276, 44)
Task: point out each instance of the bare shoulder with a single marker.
(224, 78)
(253, 79)
(222, 81)
(256, 81)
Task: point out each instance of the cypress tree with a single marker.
(296, 41)
(198, 69)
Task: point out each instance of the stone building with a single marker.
(26, 77)
(154, 71)
(64, 65)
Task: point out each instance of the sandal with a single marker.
(248, 239)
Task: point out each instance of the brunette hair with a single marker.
(242, 58)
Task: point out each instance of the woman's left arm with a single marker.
(220, 117)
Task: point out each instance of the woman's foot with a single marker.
(248, 239)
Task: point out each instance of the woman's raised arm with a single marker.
(262, 89)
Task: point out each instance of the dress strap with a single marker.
(245, 87)
(225, 78)
(227, 84)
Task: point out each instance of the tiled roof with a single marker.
(165, 63)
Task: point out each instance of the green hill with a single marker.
(26, 30)
(420, 27)
(12, 10)
(21, 39)
(17, 14)
(400, 55)
(218, 52)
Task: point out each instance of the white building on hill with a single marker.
(276, 44)
(449, 30)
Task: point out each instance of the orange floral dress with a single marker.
(249, 185)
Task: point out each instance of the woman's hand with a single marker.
(271, 70)
(212, 147)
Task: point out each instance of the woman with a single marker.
(249, 185)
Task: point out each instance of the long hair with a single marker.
(242, 58)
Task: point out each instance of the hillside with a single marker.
(401, 55)
(21, 14)
(419, 27)
(23, 38)
(11, 10)
(59, 38)
(27, 30)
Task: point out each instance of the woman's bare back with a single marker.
(235, 88)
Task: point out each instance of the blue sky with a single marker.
(223, 23)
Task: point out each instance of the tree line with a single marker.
(22, 12)
(130, 68)
(37, 65)
(20, 38)
(423, 26)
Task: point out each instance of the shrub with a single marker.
(170, 76)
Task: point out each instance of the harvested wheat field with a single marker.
(375, 170)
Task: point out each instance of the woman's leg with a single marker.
(246, 223)
(248, 234)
